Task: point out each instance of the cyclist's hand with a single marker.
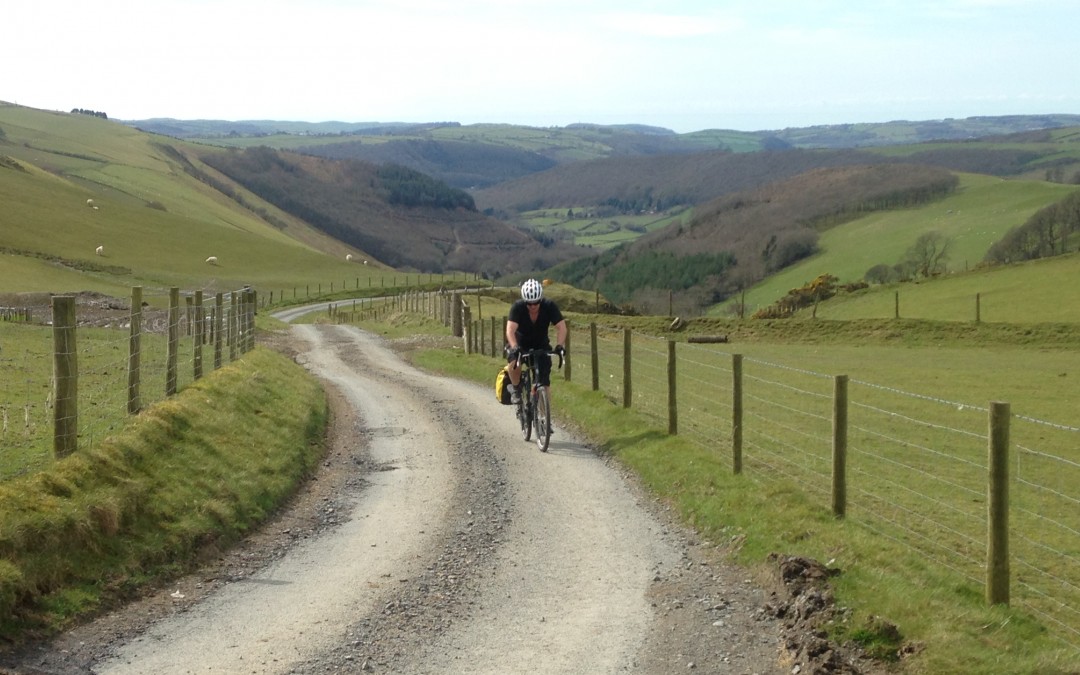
(512, 353)
(561, 351)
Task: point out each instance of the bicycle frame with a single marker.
(534, 411)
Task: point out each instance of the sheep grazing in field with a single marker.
(100, 250)
(90, 203)
(212, 260)
(348, 256)
(365, 262)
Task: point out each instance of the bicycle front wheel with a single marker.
(525, 411)
(542, 418)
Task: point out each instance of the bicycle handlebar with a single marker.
(532, 352)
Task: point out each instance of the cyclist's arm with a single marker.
(560, 333)
(511, 334)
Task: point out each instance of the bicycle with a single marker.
(534, 408)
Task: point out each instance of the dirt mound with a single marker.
(804, 602)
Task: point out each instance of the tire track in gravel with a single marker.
(298, 606)
(457, 548)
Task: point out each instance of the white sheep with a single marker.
(90, 203)
(365, 262)
(212, 260)
(100, 250)
(348, 256)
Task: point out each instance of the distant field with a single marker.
(599, 233)
(1033, 292)
(980, 213)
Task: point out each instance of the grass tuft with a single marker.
(201, 468)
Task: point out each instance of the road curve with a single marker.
(466, 551)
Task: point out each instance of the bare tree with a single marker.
(928, 254)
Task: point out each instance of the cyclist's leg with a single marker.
(543, 364)
(513, 369)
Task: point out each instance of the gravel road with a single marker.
(435, 540)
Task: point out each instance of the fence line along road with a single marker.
(990, 495)
(100, 375)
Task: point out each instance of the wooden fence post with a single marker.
(249, 315)
(566, 356)
(219, 310)
(896, 304)
(594, 352)
(672, 400)
(134, 402)
(839, 449)
(627, 392)
(234, 326)
(736, 413)
(494, 336)
(200, 325)
(464, 315)
(65, 377)
(978, 308)
(455, 314)
(173, 341)
(997, 506)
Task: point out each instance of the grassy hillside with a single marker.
(157, 223)
(1039, 291)
(1048, 154)
(981, 211)
(745, 237)
(159, 211)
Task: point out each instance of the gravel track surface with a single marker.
(435, 540)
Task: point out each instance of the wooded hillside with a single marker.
(669, 179)
(403, 218)
(734, 241)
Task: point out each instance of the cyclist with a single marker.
(527, 328)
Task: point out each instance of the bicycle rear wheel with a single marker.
(542, 418)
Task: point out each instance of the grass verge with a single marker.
(197, 470)
(944, 622)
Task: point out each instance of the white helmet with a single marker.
(532, 290)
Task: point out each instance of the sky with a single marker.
(686, 65)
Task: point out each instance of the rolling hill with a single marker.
(280, 218)
(737, 240)
(980, 212)
(159, 211)
(480, 155)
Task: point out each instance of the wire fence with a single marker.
(916, 465)
(118, 369)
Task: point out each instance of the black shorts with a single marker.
(543, 366)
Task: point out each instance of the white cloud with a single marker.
(671, 25)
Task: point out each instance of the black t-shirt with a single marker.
(534, 335)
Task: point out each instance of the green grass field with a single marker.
(598, 233)
(912, 547)
(980, 213)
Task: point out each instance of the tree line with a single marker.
(737, 240)
(1048, 232)
(92, 113)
